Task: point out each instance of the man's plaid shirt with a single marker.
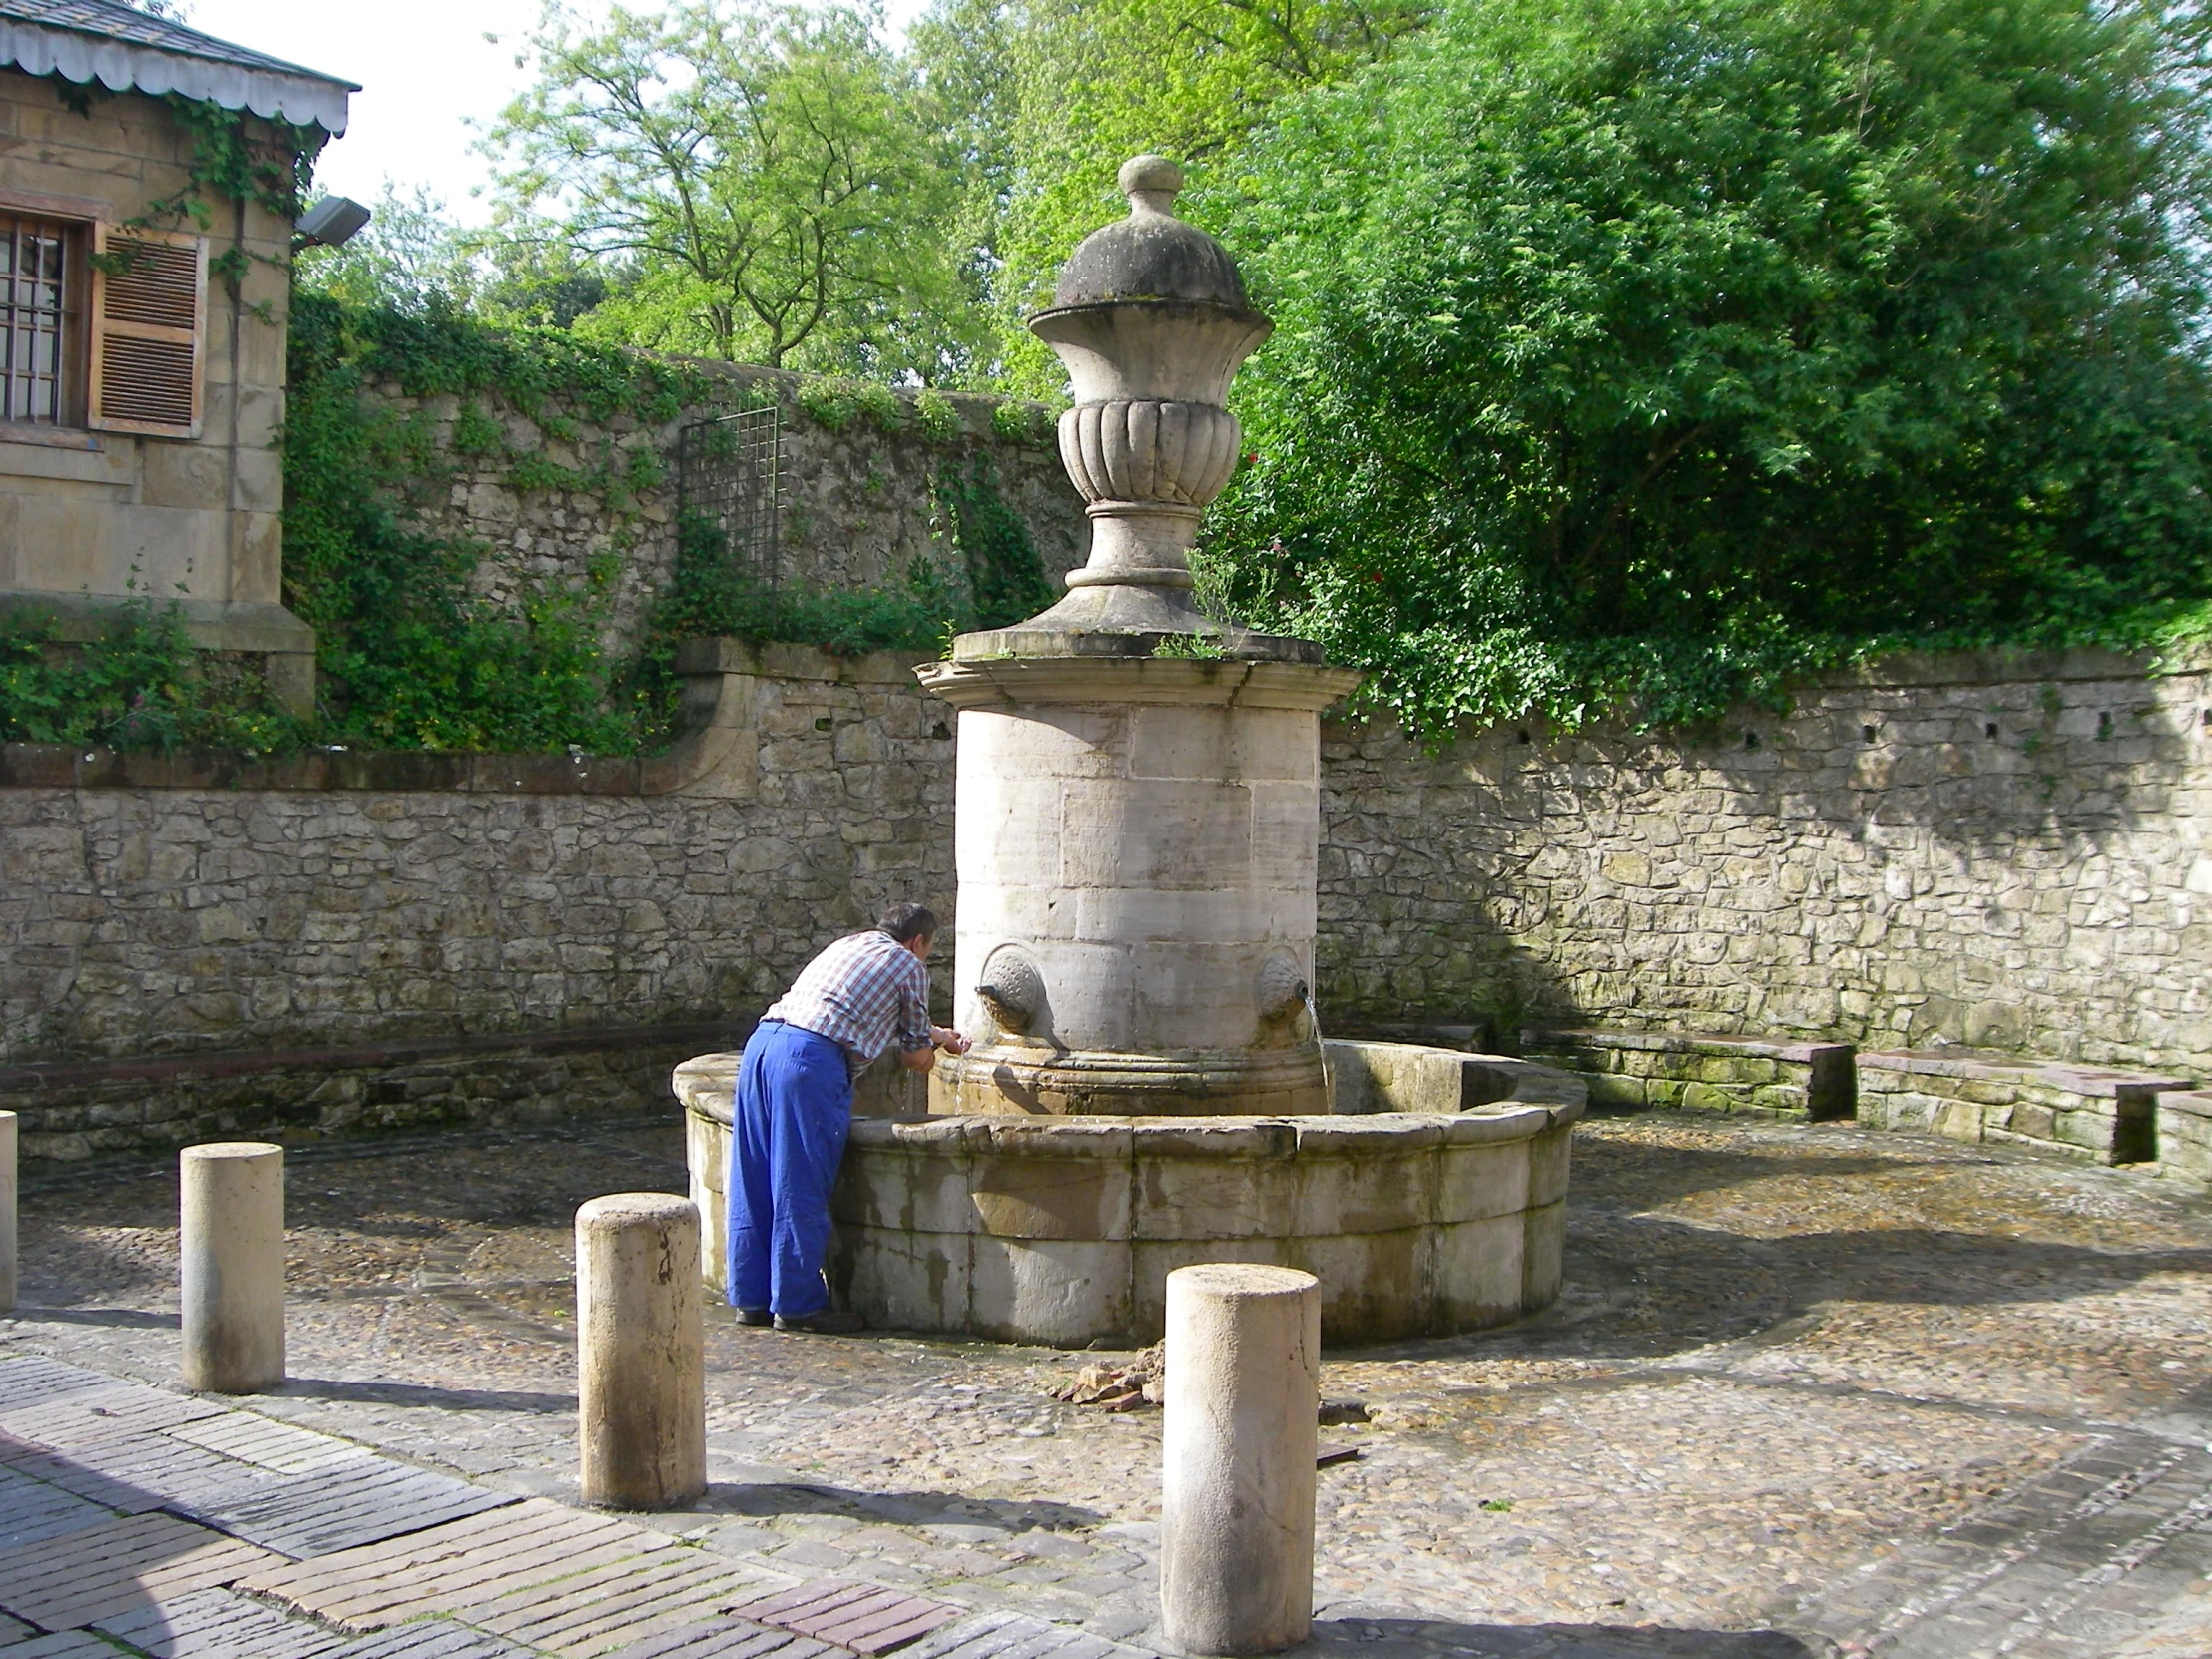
(864, 993)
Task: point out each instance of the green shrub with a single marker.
(937, 418)
(1651, 353)
(140, 685)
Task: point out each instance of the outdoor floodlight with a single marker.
(331, 222)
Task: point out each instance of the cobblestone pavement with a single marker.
(1808, 1392)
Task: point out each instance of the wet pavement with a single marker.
(1809, 1391)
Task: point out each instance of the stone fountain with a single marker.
(1138, 825)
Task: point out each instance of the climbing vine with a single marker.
(413, 657)
(1007, 579)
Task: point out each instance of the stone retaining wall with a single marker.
(1928, 882)
(857, 502)
(338, 901)
(2002, 853)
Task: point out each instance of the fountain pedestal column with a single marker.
(1136, 847)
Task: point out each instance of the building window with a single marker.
(38, 320)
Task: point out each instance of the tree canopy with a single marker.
(1654, 348)
(771, 181)
(1642, 352)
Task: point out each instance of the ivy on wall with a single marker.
(412, 658)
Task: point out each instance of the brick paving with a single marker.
(1808, 1394)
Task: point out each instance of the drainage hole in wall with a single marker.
(940, 730)
(1990, 730)
(822, 724)
(2208, 722)
(2105, 725)
(1866, 734)
(1750, 740)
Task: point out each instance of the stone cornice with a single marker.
(1017, 682)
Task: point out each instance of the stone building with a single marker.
(143, 310)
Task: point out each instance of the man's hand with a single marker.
(944, 1037)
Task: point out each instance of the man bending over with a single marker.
(795, 1103)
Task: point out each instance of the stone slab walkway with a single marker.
(1808, 1394)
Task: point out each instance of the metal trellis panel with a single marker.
(730, 472)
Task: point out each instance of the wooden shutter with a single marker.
(149, 326)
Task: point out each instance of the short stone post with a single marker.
(1237, 1455)
(7, 1212)
(231, 1240)
(641, 1357)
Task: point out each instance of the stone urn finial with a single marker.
(1151, 320)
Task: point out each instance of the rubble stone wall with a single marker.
(1875, 866)
(857, 502)
(2004, 853)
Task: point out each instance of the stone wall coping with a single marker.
(1016, 681)
(775, 659)
(2011, 667)
(393, 771)
(2095, 1082)
(1672, 1042)
(34, 1076)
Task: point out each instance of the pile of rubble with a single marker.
(1120, 1384)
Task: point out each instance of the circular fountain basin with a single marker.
(1432, 1201)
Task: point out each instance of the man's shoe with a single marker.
(754, 1315)
(830, 1322)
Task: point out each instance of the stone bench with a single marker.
(1810, 1081)
(2185, 1133)
(2086, 1111)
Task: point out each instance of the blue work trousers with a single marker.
(786, 1133)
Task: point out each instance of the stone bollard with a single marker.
(641, 1357)
(231, 1276)
(7, 1212)
(1237, 1458)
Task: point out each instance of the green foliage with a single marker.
(838, 400)
(1007, 579)
(412, 657)
(935, 418)
(140, 685)
(708, 596)
(1655, 350)
(1077, 87)
(769, 177)
(1197, 647)
(236, 156)
(1019, 421)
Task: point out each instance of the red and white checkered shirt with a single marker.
(864, 993)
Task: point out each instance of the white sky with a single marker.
(426, 72)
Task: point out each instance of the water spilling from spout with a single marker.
(1328, 1077)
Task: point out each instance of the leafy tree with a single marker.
(772, 178)
(1057, 94)
(409, 255)
(1657, 348)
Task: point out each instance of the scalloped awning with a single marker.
(124, 50)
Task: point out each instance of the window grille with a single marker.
(730, 473)
(34, 286)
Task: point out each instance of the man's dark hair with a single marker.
(910, 922)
